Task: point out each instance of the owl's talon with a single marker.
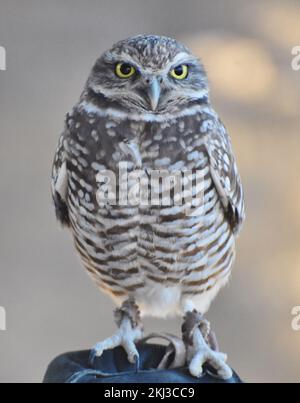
(130, 331)
(196, 335)
(204, 354)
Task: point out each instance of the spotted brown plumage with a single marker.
(169, 262)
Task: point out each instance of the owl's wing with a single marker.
(59, 180)
(225, 175)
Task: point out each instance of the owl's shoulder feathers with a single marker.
(224, 173)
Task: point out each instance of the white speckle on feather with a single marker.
(61, 185)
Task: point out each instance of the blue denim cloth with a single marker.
(113, 367)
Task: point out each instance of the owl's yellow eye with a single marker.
(124, 70)
(180, 72)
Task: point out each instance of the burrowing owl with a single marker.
(146, 103)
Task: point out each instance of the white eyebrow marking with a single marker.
(182, 57)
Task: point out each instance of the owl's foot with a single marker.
(202, 347)
(130, 331)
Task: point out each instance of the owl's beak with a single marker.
(154, 91)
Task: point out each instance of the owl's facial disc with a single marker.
(152, 74)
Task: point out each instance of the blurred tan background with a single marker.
(52, 306)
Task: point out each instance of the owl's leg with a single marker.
(202, 346)
(130, 330)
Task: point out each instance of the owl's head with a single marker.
(149, 74)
